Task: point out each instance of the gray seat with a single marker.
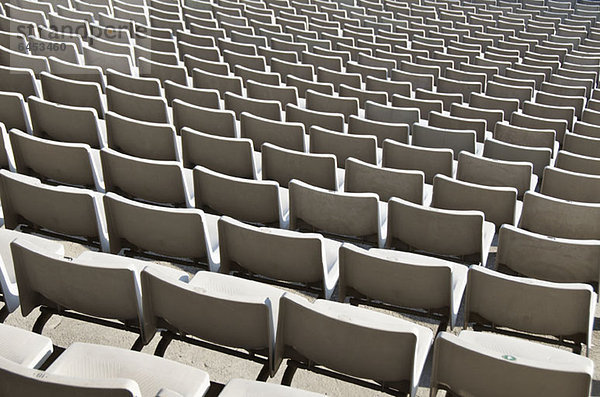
(568, 185)
(509, 367)
(402, 280)
(368, 345)
(185, 233)
(565, 311)
(462, 234)
(303, 259)
(237, 387)
(24, 349)
(60, 209)
(347, 215)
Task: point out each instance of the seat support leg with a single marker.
(138, 344)
(264, 373)
(161, 348)
(3, 313)
(289, 373)
(41, 321)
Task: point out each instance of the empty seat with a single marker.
(462, 234)
(155, 141)
(492, 117)
(498, 150)
(18, 80)
(540, 123)
(347, 215)
(13, 111)
(139, 107)
(490, 172)
(499, 204)
(367, 344)
(92, 74)
(133, 85)
(259, 130)
(547, 258)
(66, 123)
(381, 130)
(330, 121)
(390, 114)
(577, 220)
(207, 120)
(457, 123)
(65, 210)
(456, 140)
(343, 146)
(85, 369)
(21, 348)
(583, 145)
(507, 105)
(264, 108)
(162, 71)
(331, 104)
(260, 202)
(223, 84)
(73, 93)
(207, 98)
(398, 280)
(164, 182)
(184, 233)
(283, 94)
(217, 304)
(282, 165)
(53, 162)
(509, 366)
(231, 156)
(431, 161)
(568, 185)
(523, 136)
(108, 60)
(408, 185)
(577, 163)
(10, 292)
(532, 306)
(297, 258)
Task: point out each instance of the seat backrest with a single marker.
(362, 177)
(223, 84)
(577, 163)
(529, 305)
(583, 145)
(347, 214)
(209, 121)
(68, 163)
(539, 157)
(330, 121)
(231, 156)
(154, 141)
(260, 130)
(407, 157)
(292, 256)
(283, 165)
(507, 105)
(433, 137)
(136, 106)
(143, 179)
(263, 108)
(207, 98)
(343, 146)
(524, 136)
(576, 220)
(65, 123)
(133, 85)
(548, 258)
(425, 106)
(458, 123)
(331, 104)
(73, 93)
(438, 231)
(396, 278)
(61, 209)
(568, 185)
(492, 117)
(46, 278)
(18, 80)
(220, 304)
(497, 203)
(540, 123)
(303, 327)
(381, 130)
(178, 232)
(107, 60)
(389, 114)
(244, 199)
(13, 111)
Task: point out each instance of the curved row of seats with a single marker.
(149, 297)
